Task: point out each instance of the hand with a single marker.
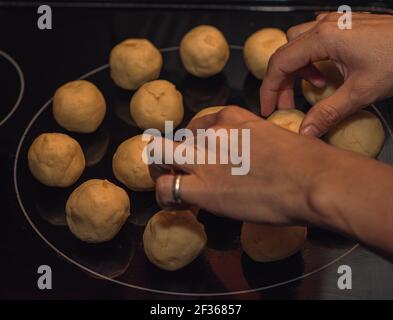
(363, 55)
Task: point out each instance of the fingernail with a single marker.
(310, 130)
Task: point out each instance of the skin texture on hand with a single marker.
(363, 55)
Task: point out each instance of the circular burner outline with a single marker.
(173, 293)
(22, 85)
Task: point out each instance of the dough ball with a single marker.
(206, 111)
(79, 106)
(173, 239)
(56, 159)
(97, 210)
(288, 119)
(362, 132)
(156, 102)
(134, 62)
(259, 47)
(334, 80)
(266, 243)
(129, 167)
(204, 51)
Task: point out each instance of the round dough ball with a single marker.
(129, 167)
(56, 159)
(204, 51)
(209, 110)
(334, 80)
(266, 243)
(156, 102)
(79, 106)
(134, 62)
(97, 210)
(173, 239)
(362, 132)
(259, 47)
(288, 119)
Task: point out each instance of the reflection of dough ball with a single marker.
(129, 167)
(156, 102)
(362, 133)
(173, 239)
(259, 47)
(206, 111)
(134, 62)
(334, 79)
(266, 243)
(204, 51)
(56, 159)
(79, 106)
(97, 210)
(288, 119)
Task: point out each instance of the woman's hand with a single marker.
(363, 54)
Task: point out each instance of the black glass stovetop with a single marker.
(34, 63)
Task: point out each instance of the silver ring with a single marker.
(176, 188)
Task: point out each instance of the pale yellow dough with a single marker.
(79, 106)
(56, 159)
(259, 47)
(290, 119)
(156, 102)
(173, 239)
(334, 81)
(97, 210)
(362, 132)
(134, 62)
(208, 110)
(129, 167)
(204, 51)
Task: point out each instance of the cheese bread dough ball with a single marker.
(173, 239)
(56, 160)
(156, 102)
(134, 62)
(288, 119)
(209, 110)
(361, 132)
(129, 167)
(204, 51)
(334, 80)
(97, 210)
(79, 106)
(259, 47)
(266, 243)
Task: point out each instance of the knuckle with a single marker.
(328, 114)
(291, 32)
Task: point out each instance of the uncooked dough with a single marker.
(204, 51)
(56, 159)
(266, 243)
(259, 47)
(79, 106)
(173, 239)
(156, 102)
(134, 62)
(361, 132)
(290, 119)
(128, 166)
(334, 80)
(206, 111)
(97, 210)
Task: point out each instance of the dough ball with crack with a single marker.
(204, 51)
(361, 132)
(288, 119)
(97, 210)
(129, 167)
(156, 102)
(208, 110)
(259, 47)
(56, 159)
(173, 239)
(134, 62)
(79, 106)
(334, 81)
(266, 243)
